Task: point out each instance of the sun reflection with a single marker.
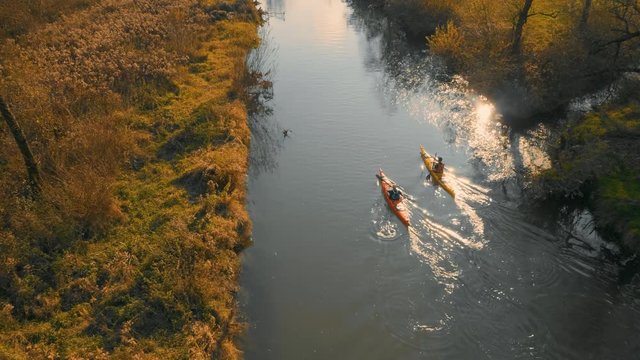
(484, 112)
(330, 23)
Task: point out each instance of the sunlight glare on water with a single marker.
(484, 113)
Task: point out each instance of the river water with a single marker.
(334, 275)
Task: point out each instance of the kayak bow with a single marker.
(397, 206)
(428, 162)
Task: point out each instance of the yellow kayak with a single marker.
(428, 162)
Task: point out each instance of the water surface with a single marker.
(333, 275)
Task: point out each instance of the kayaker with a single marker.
(394, 193)
(437, 168)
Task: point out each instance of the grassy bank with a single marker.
(135, 113)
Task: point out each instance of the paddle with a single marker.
(409, 198)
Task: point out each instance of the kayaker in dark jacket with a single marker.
(437, 168)
(394, 193)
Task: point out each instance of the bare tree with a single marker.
(523, 15)
(625, 43)
(584, 17)
(27, 155)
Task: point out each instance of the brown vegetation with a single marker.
(118, 100)
(535, 56)
(528, 56)
(23, 145)
(20, 17)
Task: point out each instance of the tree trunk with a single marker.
(18, 135)
(517, 32)
(584, 18)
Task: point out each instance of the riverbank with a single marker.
(532, 62)
(596, 158)
(135, 113)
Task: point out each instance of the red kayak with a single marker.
(397, 206)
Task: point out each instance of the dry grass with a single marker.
(119, 258)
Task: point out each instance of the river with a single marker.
(333, 274)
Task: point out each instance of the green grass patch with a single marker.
(598, 157)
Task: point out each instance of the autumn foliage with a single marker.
(566, 49)
(530, 57)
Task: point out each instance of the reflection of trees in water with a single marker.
(402, 66)
(265, 139)
(387, 47)
(275, 8)
(412, 79)
(409, 74)
(261, 64)
(265, 143)
(275, 5)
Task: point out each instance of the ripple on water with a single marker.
(384, 225)
(498, 320)
(413, 318)
(469, 196)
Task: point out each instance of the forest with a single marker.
(124, 155)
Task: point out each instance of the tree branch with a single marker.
(618, 41)
(551, 14)
(21, 141)
(631, 70)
